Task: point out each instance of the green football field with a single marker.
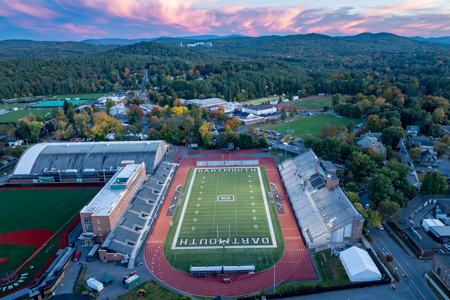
(316, 103)
(225, 206)
(16, 115)
(51, 210)
(312, 124)
(81, 96)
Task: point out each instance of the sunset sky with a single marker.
(82, 19)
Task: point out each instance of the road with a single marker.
(414, 286)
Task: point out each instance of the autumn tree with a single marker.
(134, 114)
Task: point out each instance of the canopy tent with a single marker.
(107, 279)
(359, 265)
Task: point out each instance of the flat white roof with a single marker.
(107, 198)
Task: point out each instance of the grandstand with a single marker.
(313, 189)
(126, 238)
(84, 162)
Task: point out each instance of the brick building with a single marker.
(102, 213)
(441, 268)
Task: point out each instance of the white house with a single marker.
(14, 142)
(273, 102)
(118, 110)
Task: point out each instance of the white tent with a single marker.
(359, 265)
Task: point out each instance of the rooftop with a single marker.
(258, 107)
(107, 198)
(209, 101)
(444, 257)
(418, 202)
(313, 204)
(421, 238)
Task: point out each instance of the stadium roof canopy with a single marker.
(89, 156)
(359, 265)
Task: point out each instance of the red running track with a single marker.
(295, 265)
(177, 157)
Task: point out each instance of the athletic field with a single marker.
(312, 124)
(225, 216)
(315, 103)
(35, 218)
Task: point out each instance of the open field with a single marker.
(228, 205)
(12, 105)
(261, 100)
(81, 96)
(16, 115)
(312, 124)
(31, 217)
(310, 104)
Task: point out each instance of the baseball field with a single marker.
(225, 216)
(32, 220)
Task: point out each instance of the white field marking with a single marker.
(175, 239)
(269, 220)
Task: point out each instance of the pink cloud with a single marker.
(182, 17)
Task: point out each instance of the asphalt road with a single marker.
(414, 286)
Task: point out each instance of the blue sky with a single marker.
(84, 19)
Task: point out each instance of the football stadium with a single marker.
(228, 213)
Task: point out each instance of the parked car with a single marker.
(77, 256)
(381, 227)
(367, 206)
(296, 149)
(439, 161)
(430, 168)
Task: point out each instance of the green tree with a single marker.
(433, 184)
(415, 153)
(389, 209)
(391, 136)
(328, 148)
(410, 191)
(35, 128)
(17, 151)
(397, 172)
(389, 152)
(354, 198)
(283, 113)
(378, 188)
(399, 197)
(351, 187)
(335, 99)
(360, 165)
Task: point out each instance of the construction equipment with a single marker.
(141, 293)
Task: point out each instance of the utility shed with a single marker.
(359, 265)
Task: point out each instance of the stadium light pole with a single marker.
(32, 274)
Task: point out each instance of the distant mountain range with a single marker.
(134, 41)
(443, 39)
(367, 36)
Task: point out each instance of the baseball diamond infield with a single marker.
(294, 263)
(33, 226)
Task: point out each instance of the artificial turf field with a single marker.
(47, 211)
(230, 205)
(315, 103)
(312, 124)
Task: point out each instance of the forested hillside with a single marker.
(294, 65)
(46, 50)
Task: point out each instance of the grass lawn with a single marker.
(154, 292)
(49, 209)
(81, 96)
(261, 100)
(80, 288)
(312, 125)
(16, 115)
(315, 103)
(12, 105)
(225, 206)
